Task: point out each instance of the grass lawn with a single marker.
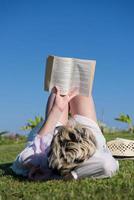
(14, 188)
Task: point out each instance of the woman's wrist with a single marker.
(51, 121)
(56, 109)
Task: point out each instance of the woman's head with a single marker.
(70, 147)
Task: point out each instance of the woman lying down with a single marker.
(59, 148)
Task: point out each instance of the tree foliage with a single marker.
(32, 123)
(126, 119)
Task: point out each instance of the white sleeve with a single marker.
(37, 144)
(32, 153)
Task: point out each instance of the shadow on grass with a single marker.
(5, 170)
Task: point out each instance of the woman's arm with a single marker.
(56, 111)
(49, 105)
(51, 121)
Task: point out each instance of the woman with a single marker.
(30, 162)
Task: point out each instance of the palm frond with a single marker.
(32, 123)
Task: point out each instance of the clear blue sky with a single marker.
(92, 29)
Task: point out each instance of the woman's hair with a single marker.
(72, 145)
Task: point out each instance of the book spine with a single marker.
(48, 72)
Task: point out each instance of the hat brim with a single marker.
(121, 148)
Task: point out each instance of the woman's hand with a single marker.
(62, 100)
(59, 104)
(38, 174)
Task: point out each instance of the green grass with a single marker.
(14, 188)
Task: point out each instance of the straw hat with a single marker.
(121, 148)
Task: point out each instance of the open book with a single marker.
(68, 73)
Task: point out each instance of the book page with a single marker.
(91, 79)
(61, 74)
(68, 73)
(83, 75)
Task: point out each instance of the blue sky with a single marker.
(92, 29)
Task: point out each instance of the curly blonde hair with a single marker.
(71, 146)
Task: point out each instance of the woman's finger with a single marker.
(57, 90)
(53, 90)
(31, 175)
(33, 172)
